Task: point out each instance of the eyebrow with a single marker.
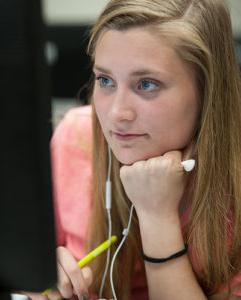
(141, 72)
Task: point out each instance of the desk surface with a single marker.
(18, 297)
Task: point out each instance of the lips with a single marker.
(127, 136)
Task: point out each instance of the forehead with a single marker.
(137, 48)
(138, 42)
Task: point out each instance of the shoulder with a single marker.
(74, 131)
(77, 113)
(75, 122)
(72, 176)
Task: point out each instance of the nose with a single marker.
(123, 106)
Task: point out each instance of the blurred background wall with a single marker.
(82, 11)
(72, 11)
(235, 8)
(67, 27)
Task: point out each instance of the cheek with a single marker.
(184, 126)
(175, 125)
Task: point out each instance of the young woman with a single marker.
(167, 89)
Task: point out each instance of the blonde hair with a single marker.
(200, 32)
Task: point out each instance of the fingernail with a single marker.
(188, 165)
(85, 297)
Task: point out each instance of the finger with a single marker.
(88, 275)
(173, 160)
(35, 296)
(174, 155)
(72, 270)
(54, 295)
(189, 164)
(64, 283)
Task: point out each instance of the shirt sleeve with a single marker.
(72, 178)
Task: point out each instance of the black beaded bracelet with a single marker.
(162, 260)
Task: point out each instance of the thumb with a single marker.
(88, 275)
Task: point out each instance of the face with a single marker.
(145, 97)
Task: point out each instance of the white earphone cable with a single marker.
(125, 234)
(108, 208)
(108, 199)
(107, 258)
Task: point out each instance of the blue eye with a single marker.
(148, 85)
(105, 82)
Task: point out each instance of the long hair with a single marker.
(200, 33)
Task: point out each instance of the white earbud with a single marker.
(188, 165)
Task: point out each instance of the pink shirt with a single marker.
(71, 164)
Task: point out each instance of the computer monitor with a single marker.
(27, 247)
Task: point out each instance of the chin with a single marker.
(127, 159)
(131, 159)
(127, 162)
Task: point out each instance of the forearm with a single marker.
(173, 279)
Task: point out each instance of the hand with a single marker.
(155, 186)
(71, 279)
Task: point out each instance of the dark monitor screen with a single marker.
(27, 247)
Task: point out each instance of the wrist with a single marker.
(155, 260)
(161, 236)
(164, 213)
(156, 220)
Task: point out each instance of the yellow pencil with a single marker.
(93, 254)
